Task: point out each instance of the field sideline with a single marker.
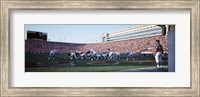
(40, 63)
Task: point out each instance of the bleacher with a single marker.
(134, 45)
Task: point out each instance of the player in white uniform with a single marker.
(158, 54)
(52, 54)
(93, 53)
(111, 55)
(73, 54)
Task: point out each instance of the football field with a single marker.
(40, 63)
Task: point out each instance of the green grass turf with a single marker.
(82, 66)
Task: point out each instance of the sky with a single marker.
(75, 33)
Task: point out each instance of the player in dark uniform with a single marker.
(158, 54)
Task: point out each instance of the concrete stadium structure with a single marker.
(140, 31)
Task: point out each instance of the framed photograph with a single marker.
(132, 48)
(100, 48)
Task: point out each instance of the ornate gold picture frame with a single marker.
(8, 5)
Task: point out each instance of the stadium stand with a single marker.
(135, 45)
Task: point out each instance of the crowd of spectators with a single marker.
(40, 46)
(134, 45)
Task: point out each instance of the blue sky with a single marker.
(75, 33)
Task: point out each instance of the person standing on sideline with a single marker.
(158, 54)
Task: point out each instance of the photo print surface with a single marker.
(98, 47)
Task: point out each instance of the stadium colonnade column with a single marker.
(171, 48)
